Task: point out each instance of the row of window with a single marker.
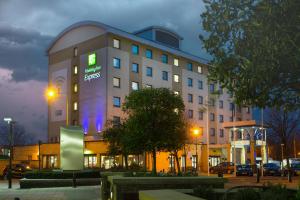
(149, 54)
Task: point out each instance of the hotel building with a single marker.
(95, 66)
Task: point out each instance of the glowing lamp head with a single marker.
(196, 131)
(50, 93)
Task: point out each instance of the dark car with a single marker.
(244, 170)
(223, 167)
(271, 169)
(18, 170)
(295, 169)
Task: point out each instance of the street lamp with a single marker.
(10, 121)
(196, 133)
(52, 94)
(282, 145)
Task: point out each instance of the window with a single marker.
(149, 53)
(135, 67)
(176, 78)
(200, 99)
(200, 85)
(221, 132)
(199, 69)
(231, 106)
(75, 106)
(117, 101)
(164, 58)
(116, 43)
(212, 131)
(135, 49)
(75, 52)
(220, 89)
(200, 115)
(211, 88)
(134, 85)
(116, 120)
(190, 114)
(190, 98)
(148, 86)
(90, 161)
(221, 104)
(75, 69)
(58, 112)
(248, 109)
(190, 66)
(231, 118)
(165, 75)
(190, 82)
(117, 63)
(212, 117)
(176, 92)
(116, 82)
(176, 62)
(75, 88)
(211, 102)
(149, 71)
(221, 118)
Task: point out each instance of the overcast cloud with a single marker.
(27, 27)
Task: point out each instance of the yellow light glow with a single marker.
(196, 131)
(50, 94)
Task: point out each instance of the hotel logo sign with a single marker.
(93, 71)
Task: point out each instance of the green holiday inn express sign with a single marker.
(93, 71)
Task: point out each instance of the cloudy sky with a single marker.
(27, 28)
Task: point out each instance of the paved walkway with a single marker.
(62, 193)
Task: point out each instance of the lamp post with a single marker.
(52, 94)
(196, 133)
(282, 145)
(10, 121)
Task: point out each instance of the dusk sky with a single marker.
(27, 28)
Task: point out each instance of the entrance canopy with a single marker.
(243, 124)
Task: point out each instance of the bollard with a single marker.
(257, 175)
(220, 174)
(289, 176)
(74, 180)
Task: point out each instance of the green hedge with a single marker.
(62, 174)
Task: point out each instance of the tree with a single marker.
(20, 137)
(155, 120)
(255, 47)
(283, 127)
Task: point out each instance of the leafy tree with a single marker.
(155, 120)
(255, 47)
(283, 127)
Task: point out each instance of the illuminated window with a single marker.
(148, 53)
(116, 82)
(117, 63)
(75, 53)
(176, 92)
(117, 102)
(134, 85)
(90, 161)
(176, 78)
(148, 86)
(75, 106)
(164, 58)
(176, 62)
(135, 67)
(75, 69)
(75, 88)
(135, 49)
(164, 75)
(199, 69)
(190, 66)
(190, 82)
(116, 43)
(149, 71)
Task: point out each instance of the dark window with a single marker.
(116, 120)
(135, 49)
(190, 98)
(190, 114)
(200, 99)
(117, 63)
(221, 132)
(149, 71)
(165, 75)
(190, 66)
(220, 104)
(221, 118)
(231, 106)
(190, 82)
(167, 39)
(200, 115)
(164, 58)
(212, 132)
(212, 88)
(149, 53)
(212, 117)
(135, 67)
(200, 85)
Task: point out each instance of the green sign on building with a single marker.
(92, 59)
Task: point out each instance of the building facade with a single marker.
(94, 67)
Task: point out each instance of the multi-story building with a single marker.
(94, 66)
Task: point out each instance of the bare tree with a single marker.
(20, 137)
(283, 126)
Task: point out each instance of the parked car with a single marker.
(223, 167)
(271, 169)
(244, 170)
(295, 168)
(18, 170)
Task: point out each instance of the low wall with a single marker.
(44, 183)
(165, 195)
(128, 187)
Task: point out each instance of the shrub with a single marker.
(62, 174)
(276, 192)
(205, 192)
(247, 194)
